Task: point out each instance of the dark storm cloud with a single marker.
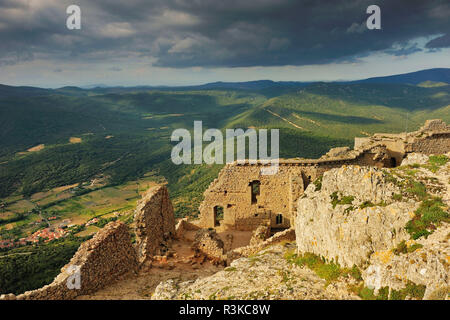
(232, 33)
(440, 42)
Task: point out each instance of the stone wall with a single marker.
(438, 143)
(259, 235)
(278, 193)
(279, 237)
(208, 243)
(432, 138)
(182, 226)
(154, 223)
(100, 261)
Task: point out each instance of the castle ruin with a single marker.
(242, 198)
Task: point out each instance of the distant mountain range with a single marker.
(434, 75)
(439, 76)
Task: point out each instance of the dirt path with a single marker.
(285, 120)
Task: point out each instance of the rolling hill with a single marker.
(125, 132)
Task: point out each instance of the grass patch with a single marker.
(417, 189)
(230, 269)
(411, 290)
(397, 197)
(329, 271)
(435, 162)
(428, 217)
(402, 247)
(318, 183)
(335, 199)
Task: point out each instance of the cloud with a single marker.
(204, 33)
(403, 50)
(439, 42)
(357, 28)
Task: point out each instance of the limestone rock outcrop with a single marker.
(351, 216)
(415, 158)
(428, 265)
(267, 275)
(154, 223)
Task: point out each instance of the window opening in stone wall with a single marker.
(279, 219)
(218, 215)
(255, 188)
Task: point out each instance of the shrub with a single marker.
(318, 183)
(401, 248)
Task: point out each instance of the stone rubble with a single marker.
(266, 275)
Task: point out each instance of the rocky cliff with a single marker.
(391, 223)
(351, 216)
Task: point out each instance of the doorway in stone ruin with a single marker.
(218, 215)
(393, 162)
(279, 224)
(255, 187)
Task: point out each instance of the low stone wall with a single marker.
(259, 235)
(286, 235)
(105, 258)
(154, 223)
(208, 243)
(182, 226)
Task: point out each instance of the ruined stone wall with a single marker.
(232, 191)
(182, 226)
(279, 237)
(438, 143)
(154, 223)
(432, 138)
(278, 192)
(207, 243)
(102, 260)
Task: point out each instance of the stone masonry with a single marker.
(100, 261)
(233, 202)
(154, 223)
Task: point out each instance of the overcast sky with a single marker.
(179, 42)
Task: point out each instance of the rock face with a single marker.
(105, 258)
(427, 265)
(266, 275)
(415, 158)
(364, 219)
(154, 223)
